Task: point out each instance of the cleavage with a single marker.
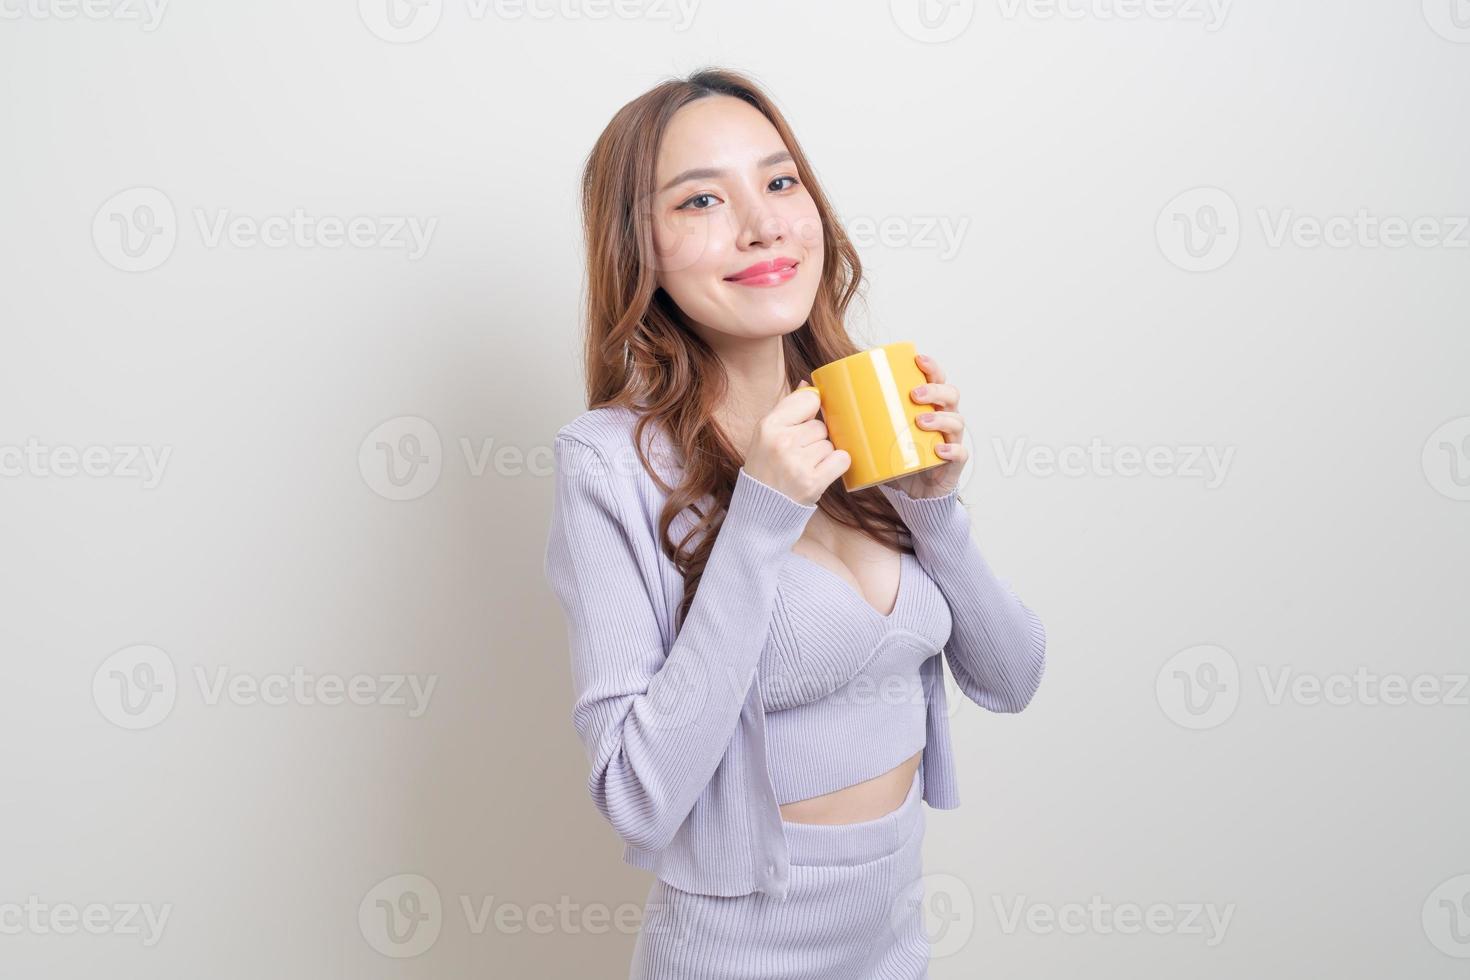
(820, 554)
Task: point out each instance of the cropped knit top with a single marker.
(676, 716)
(841, 682)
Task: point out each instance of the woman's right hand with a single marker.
(789, 450)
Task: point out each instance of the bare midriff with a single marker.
(867, 800)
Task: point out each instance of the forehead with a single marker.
(716, 131)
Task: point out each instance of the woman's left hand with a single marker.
(946, 418)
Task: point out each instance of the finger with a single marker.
(797, 407)
(953, 451)
(833, 466)
(940, 395)
(930, 367)
(950, 423)
(810, 431)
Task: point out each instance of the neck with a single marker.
(756, 373)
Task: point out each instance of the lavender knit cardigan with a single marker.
(672, 721)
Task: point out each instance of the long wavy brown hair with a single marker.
(640, 356)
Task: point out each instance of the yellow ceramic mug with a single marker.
(869, 415)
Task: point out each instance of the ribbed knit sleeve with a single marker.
(656, 726)
(997, 649)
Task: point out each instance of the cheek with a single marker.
(806, 226)
(689, 247)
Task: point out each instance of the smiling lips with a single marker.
(770, 273)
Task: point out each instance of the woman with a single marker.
(756, 652)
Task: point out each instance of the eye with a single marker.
(685, 206)
(793, 180)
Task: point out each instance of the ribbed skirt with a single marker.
(853, 911)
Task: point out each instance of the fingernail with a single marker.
(927, 417)
(920, 391)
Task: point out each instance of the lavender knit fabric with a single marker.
(855, 911)
(674, 722)
(841, 682)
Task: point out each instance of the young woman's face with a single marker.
(726, 197)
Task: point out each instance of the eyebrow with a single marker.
(699, 173)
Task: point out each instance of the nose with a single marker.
(761, 227)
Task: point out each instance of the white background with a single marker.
(1053, 143)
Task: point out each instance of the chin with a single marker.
(777, 323)
(783, 314)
